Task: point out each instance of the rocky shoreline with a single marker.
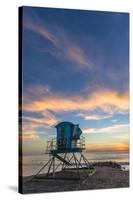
(107, 175)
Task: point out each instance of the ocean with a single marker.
(32, 163)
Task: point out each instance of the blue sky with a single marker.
(75, 68)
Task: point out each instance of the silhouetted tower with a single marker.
(65, 151)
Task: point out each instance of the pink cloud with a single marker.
(65, 47)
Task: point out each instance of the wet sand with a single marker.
(104, 177)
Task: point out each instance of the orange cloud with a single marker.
(31, 124)
(118, 128)
(31, 136)
(108, 101)
(107, 147)
(94, 116)
(47, 119)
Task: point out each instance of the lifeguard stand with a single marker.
(68, 139)
(65, 152)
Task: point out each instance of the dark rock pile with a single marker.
(107, 164)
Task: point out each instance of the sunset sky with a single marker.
(75, 68)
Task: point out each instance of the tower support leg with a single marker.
(50, 166)
(73, 161)
(64, 163)
(53, 166)
(41, 169)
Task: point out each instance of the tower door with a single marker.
(62, 132)
(62, 139)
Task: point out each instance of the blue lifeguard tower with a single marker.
(65, 151)
(68, 139)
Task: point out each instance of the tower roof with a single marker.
(64, 123)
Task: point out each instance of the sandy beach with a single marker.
(103, 178)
